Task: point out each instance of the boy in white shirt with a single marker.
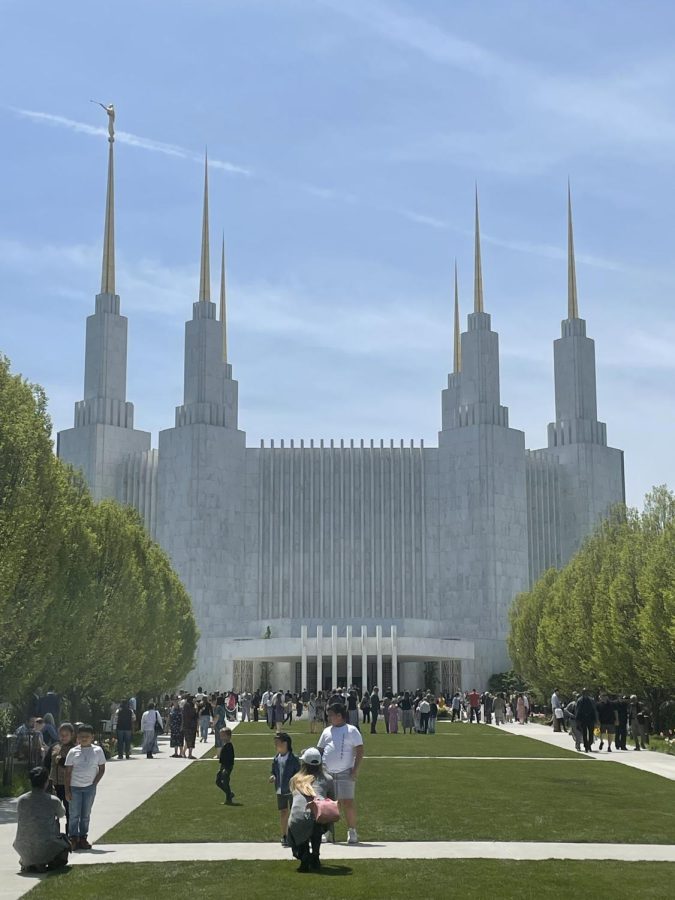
(342, 748)
(85, 766)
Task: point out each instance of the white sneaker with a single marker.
(326, 838)
(352, 836)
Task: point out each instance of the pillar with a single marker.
(394, 660)
(378, 647)
(364, 657)
(333, 650)
(319, 657)
(349, 657)
(303, 659)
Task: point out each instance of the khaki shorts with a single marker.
(344, 785)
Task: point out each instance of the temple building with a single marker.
(348, 562)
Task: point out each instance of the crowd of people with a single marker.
(608, 718)
(312, 790)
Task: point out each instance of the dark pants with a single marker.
(621, 735)
(386, 720)
(61, 794)
(256, 713)
(586, 729)
(373, 723)
(366, 715)
(123, 743)
(223, 782)
(456, 714)
(308, 852)
(424, 722)
(474, 711)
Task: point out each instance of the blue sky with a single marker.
(345, 139)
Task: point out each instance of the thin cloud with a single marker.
(132, 140)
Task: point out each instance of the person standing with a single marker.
(374, 710)
(284, 766)
(456, 705)
(571, 715)
(353, 708)
(125, 726)
(621, 723)
(499, 709)
(607, 720)
(278, 711)
(636, 722)
(365, 708)
(557, 712)
(407, 711)
(255, 705)
(219, 719)
(386, 700)
(226, 759)
(190, 723)
(268, 704)
(433, 714)
(342, 746)
(56, 761)
(474, 706)
(520, 709)
(424, 708)
(176, 729)
(151, 726)
(587, 717)
(245, 700)
(85, 767)
(393, 713)
(205, 718)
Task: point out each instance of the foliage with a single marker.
(607, 620)
(89, 604)
(507, 682)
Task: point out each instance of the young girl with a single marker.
(304, 834)
(284, 766)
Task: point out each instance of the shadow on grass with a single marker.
(332, 870)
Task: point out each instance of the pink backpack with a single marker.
(324, 812)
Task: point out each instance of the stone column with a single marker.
(350, 673)
(303, 659)
(378, 646)
(334, 657)
(319, 657)
(394, 659)
(364, 657)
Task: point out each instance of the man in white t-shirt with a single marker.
(85, 766)
(342, 748)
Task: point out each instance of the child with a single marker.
(284, 766)
(85, 766)
(226, 765)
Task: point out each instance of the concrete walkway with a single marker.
(125, 785)
(524, 850)
(647, 760)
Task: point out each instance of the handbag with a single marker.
(324, 811)
(158, 726)
(558, 713)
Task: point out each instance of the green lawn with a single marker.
(570, 798)
(373, 878)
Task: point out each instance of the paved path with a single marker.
(646, 760)
(393, 757)
(133, 853)
(125, 785)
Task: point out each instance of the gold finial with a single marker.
(223, 318)
(108, 266)
(205, 268)
(457, 362)
(572, 302)
(478, 269)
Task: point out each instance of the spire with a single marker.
(108, 267)
(457, 364)
(478, 269)
(223, 318)
(205, 268)
(572, 303)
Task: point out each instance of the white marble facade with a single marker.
(351, 560)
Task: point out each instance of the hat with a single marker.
(311, 757)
